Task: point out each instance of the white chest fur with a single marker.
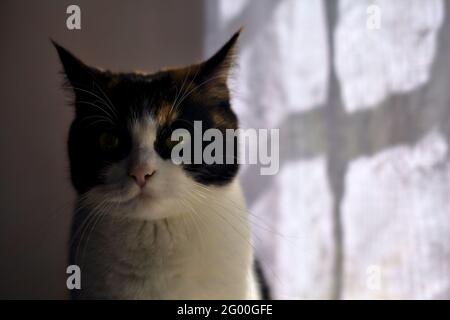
(201, 252)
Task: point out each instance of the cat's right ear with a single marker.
(78, 74)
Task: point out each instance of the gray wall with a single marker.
(35, 193)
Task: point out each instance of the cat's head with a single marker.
(120, 138)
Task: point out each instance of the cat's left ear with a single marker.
(78, 74)
(217, 68)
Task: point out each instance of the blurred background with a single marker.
(358, 88)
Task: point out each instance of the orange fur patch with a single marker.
(166, 114)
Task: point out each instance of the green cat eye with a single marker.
(108, 141)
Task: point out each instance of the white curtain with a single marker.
(359, 91)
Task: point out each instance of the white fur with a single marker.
(182, 240)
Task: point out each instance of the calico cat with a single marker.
(145, 227)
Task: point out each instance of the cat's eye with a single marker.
(172, 143)
(108, 141)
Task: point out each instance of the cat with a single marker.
(145, 227)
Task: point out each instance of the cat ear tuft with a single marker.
(77, 73)
(219, 65)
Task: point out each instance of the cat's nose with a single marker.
(141, 174)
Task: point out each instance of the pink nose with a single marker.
(141, 173)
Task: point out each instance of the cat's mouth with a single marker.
(140, 196)
(144, 196)
(131, 196)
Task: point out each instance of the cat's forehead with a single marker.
(142, 95)
(132, 83)
(143, 130)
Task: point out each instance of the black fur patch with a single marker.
(262, 281)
